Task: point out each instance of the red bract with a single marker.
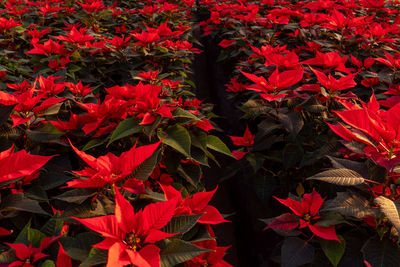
(378, 129)
(79, 89)
(213, 258)
(247, 139)
(109, 169)
(13, 165)
(390, 61)
(63, 260)
(276, 83)
(130, 236)
(48, 48)
(48, 86)
(333, 84)
(196, 204)
(328, 60)
(92, 6)
(27, 104)
(103, 116)
(7, 24)
(146, 38)
(28, 255)
(307, 211)
(76, 37)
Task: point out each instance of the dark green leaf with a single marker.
(53, 226)
(125, 128)
(177, 137)
(19, 202)
(96, 256)
(35, 237)
(216, 144)
(296, 252)
(5, 112)
(381, 253)
(77, 195)
(179, 251)
(181, 113)
(143, 171)
(51, 180)
(293, 122)
(333, 249)
(47, 263)
(93, 143)
(181, 224)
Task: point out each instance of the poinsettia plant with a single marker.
(98, 115)
(301, 74)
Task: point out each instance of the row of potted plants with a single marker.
(103, 138)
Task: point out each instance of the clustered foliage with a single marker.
(317, 83)
(102, 137)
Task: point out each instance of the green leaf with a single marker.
(197, 234)
(47, 263)
(177, 137)
(23, 235)
(191, 173)
(200, 156)
(344, 177)
(35, 237)
(179, 251)
(143, 171)
(381, 253)
(50, 180)
(96, 256)
(125, 128)
(39, 136)
(181, 113)
(216, 144)
(77, 195)
(293, 122)
(181, 224)
(93, 143)
(100, 207)
(53, 226)
(296, 252)
(5, 112)
(19, 202)
(333, 250)
(7, 257)
(78, 247)
(291, 155)
(350, 204)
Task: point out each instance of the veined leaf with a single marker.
(181, 113)
(125, 128)
(388, 207)
(93, 143)
(96, 256)
(181, 224)
(333, 250)
(381, 253)
(296, 252)
(179, 251)
(350, 204)
(341, 176)
(293, 122)
(47, 263)
(19, 202)
(177, 137)
(143, 171)
(216, 144)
